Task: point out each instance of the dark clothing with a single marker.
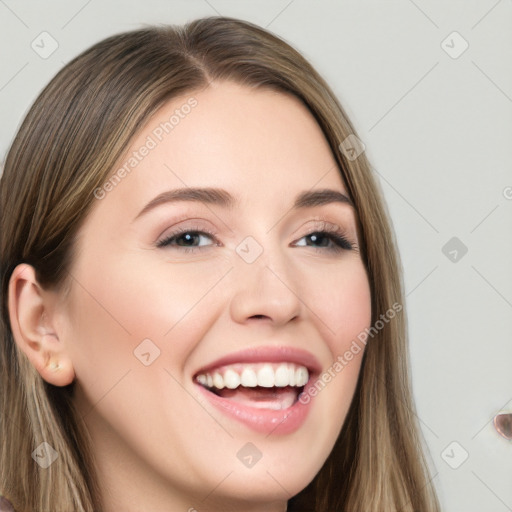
(5, 505)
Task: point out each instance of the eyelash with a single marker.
(335, 235)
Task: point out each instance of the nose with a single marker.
(265, 290)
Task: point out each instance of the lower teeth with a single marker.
(275, 406)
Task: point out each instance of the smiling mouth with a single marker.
(274, 386)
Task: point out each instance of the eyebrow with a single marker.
(222, 198)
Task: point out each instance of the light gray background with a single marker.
(438, 133)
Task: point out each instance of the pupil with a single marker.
(315, 237)
(188, 237)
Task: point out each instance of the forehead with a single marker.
(259, 144)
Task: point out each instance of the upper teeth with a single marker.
(266, 375)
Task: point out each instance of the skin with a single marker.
(158, 444)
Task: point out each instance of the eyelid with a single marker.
(188, 223)
(324, 225)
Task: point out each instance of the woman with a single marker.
(264, 368)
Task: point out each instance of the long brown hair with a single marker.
(66, 148)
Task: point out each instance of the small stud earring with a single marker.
(54, 366)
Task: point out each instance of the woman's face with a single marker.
(174, 291)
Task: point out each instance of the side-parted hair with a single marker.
(67, 147)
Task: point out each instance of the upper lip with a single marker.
(266, 354)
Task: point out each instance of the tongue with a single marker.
(260, 397)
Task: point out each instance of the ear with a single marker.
(33, 323)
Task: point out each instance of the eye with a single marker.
(330, 241)
(186, 239)
(329, 237)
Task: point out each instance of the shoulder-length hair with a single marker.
(77, 129)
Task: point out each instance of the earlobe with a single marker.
(31, 311)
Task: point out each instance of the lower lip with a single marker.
(267, 421)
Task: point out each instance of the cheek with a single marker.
(126, 302)
(339, 299)
(99, 341)
(120, 311)
(151, 297)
